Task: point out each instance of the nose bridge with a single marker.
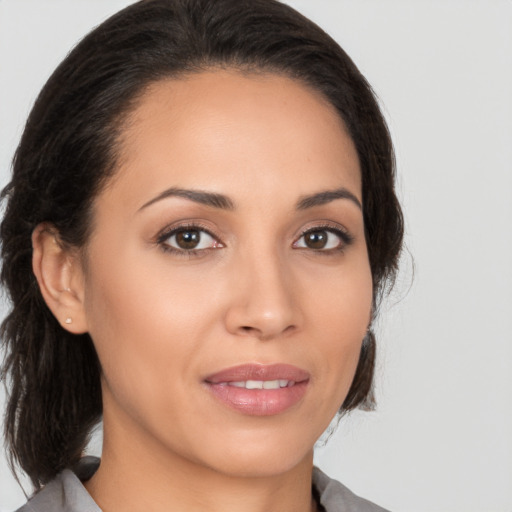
(264, 304)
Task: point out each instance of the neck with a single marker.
(136, 476)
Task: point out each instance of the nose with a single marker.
(264, 304)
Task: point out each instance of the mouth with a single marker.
(262, 384)
(259, 390)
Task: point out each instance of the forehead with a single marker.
(235, 133)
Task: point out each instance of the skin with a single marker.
(162, 321)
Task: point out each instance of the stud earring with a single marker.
(69, 320)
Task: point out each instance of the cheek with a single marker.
(343, 314)
(138, 293)
(141, 318)
(343, 297)
(150, 318)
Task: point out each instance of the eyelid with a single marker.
(345, 236)
(170, 230)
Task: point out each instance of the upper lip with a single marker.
(255, 371)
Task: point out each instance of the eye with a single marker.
(323, 239)
(189, 239)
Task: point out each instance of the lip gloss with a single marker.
(259, 390)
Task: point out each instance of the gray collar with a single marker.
(66, 493)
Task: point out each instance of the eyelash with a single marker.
(345, 237)
(164, 236)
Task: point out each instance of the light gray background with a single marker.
(441, 440)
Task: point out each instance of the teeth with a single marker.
(262, 384)
(254, 384)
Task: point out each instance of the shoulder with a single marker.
(66, 492)
(335, 497)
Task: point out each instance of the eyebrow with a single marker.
(327, 196)
(210, 199)
(223, 202)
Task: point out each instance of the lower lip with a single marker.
(259, 402)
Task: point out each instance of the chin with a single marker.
(262, 457)
(268, 468)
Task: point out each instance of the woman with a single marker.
(200, 224)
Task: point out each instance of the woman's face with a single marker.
(228, 253)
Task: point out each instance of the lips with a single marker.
(259, 390)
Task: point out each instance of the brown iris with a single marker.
(188, 239)
(316, 239)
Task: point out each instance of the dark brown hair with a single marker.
(68, 151)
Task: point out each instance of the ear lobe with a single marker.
(60, 277)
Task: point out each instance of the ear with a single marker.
(59, 273)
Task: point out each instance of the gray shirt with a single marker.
(66, 493)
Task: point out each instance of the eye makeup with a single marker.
(324, 238)
(194, 239)
(190, 239)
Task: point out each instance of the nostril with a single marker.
(247, 330)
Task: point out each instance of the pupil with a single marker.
(188, 239)
(316, 239)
